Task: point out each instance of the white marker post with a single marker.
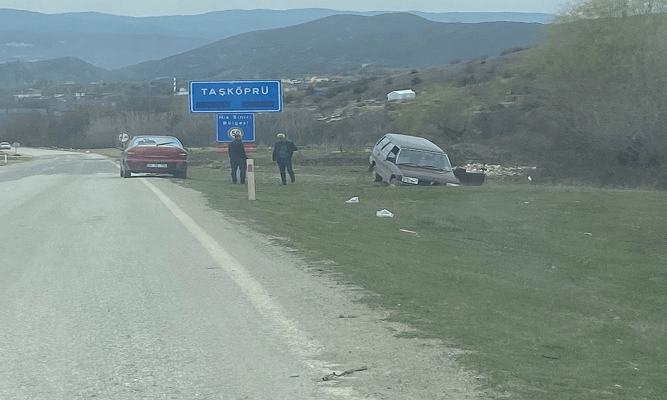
(250, 177)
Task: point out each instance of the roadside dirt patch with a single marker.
(371, 357)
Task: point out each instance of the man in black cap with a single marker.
(282, 154)
(237, 158)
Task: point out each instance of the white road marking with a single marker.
(300, 342)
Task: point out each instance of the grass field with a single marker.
(558, 293)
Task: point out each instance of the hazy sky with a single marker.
(178, 7)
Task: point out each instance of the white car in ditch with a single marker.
(410, 160)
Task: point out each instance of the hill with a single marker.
(108, 51)
(55, 72)
(215, 25)
(112, 41)
(341, 44)
(479, 17)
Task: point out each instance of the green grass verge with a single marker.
(559, 293)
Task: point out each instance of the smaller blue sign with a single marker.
(230, 124)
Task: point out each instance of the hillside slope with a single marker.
(341, 44)
(105, 50)
(56, 72)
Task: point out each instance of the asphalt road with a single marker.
(116, 288)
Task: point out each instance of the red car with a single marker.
(154, 154)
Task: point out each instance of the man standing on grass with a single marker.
(282, 154)
(237, 158)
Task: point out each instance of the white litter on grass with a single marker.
(384, 213)
(452, 184)
(353, 200)
(413, 233)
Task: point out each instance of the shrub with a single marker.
(360, 88)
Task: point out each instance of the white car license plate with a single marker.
(156, 165)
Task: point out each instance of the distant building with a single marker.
(401, 95)
(317, 79)
(28, 94)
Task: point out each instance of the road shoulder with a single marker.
(361, 352)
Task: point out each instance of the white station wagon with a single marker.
(410, 160)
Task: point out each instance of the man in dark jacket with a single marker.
(237, 158)
(282, 154)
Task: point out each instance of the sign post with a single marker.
(236, 103)
(250, 178)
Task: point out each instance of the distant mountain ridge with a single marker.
(113, 41)
(338, 44)
(218, 25)
(108, 51)
(341, 44)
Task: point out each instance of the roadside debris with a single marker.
(413, 233)
(353, 200)
(348, 372)
(498, 170)
(384, 213)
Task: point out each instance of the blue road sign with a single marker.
(229, 124)
(236, 97)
